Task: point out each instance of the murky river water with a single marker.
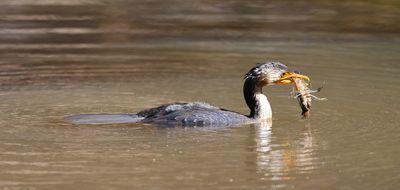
(59, 58)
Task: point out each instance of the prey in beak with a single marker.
(287, 78)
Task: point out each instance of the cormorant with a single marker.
(203, 114)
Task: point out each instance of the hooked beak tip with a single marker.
(287, 78)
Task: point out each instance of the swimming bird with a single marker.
(203, 114)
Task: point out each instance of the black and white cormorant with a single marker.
(203, 114)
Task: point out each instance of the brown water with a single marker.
(59, 58)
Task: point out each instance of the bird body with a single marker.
(192, 114)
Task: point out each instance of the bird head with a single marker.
(272, 73)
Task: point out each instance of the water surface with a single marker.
(61, 58)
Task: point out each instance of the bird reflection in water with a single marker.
(279, 158)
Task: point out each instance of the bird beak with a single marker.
(287, 78)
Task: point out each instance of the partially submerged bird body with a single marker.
(192, 114)
(203, 114)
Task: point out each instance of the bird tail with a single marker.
(103, 118)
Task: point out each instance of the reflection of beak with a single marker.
(286, 78)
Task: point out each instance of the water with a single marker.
(67, 57)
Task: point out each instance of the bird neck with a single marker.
(256, 100)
